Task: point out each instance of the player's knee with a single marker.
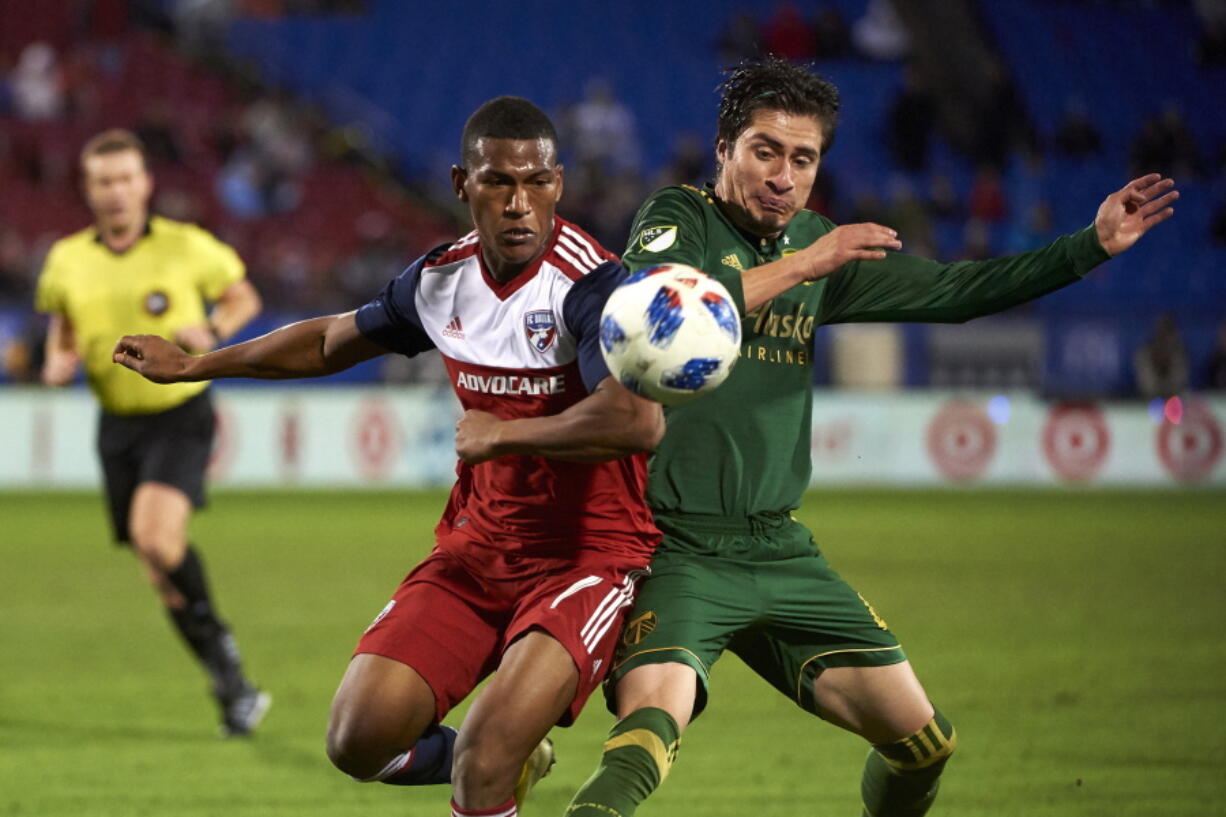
(481, 765)
(927, 748)
(358, 750)
(157, 549)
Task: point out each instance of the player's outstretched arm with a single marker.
(850, 242)
(1130, 212)
(310, 348)
(608, 424)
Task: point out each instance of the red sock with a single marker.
(507, 809)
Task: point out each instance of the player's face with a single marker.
(117, 189)
(767, 174)
(512, 188)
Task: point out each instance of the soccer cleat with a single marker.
(243, 712)
(538, 764)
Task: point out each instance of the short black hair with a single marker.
(774, 84)
(505, 117)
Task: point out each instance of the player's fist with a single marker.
(476, 436)
(850, 242)
(154, 357)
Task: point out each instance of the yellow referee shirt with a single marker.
(156, 287)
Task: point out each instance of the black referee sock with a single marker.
(204, 632)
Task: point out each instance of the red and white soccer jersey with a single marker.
(526, 543)
(528, 347)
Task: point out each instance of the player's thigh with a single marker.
(530, 692)
(882, 704)
(671, 686)
(119, 445)
(814, 622)
(442, 624)
(582, 607)
(686, 613)
(157, 523)
(177, 448)
(381, 704)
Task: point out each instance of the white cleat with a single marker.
(244, 712)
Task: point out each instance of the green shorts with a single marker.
(761, 590)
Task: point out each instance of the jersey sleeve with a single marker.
(218, 264)
(391, 319)
(581, 313)
(670, 228)
(908, 288)
(50, 295)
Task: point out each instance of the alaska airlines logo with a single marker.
(798, 326)
(512, 384)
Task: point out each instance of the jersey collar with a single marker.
(144, 233)
(766, 248)
(508, 288)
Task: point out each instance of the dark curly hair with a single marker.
(774, 84)
(505, 117)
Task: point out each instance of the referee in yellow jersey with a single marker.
(131, 273)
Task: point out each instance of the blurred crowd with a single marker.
(322, 223)
(309, 210)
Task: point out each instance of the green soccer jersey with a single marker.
(743, 450)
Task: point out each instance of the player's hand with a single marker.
(154, 357)
(59, 369)
(476, 436)
(1129, 213)
(850, 242)
(197, 338)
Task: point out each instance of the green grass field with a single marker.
(1077, 639)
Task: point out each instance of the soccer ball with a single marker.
(670, 333)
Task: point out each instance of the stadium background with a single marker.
(1071, 630)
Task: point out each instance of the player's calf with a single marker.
(901, 778)
(637, 757)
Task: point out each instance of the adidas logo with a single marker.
(454, 329)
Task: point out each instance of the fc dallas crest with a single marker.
(542, 329)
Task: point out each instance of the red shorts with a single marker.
(451, 623)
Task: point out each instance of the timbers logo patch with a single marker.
(639, 628)
(658, 239)
(541, 327)
(156, 303)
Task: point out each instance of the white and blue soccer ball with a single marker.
(670, 333)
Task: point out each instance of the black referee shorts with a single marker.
(170, 447)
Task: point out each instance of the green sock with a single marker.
(901, 778)
(637, 756)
